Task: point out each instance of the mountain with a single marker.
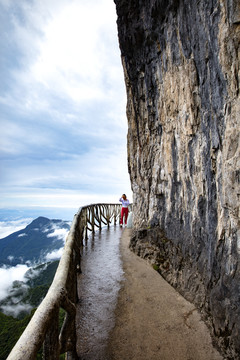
(32, 244)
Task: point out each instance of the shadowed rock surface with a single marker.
(181, 66)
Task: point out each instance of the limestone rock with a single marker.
(182, 73)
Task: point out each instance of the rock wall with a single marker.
(181, 66)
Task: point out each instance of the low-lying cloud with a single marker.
(14, 294)
(10, 274)
(16, 309)
(20, 235)
(54, 255)
(60, 234)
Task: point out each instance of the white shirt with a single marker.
(125, 203)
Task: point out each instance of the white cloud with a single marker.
(34, 272)
(61, 234)
(69, 50)
(73, 49)
(14, 310)
(54, 255)
(62, 199)
(20, 235)
(65, 133)
(15, 133)
(97, 176)
(8, 227)
(8, 275)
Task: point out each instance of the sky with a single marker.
(63, 126)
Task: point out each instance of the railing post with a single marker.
(107, 215)
(99, 217)
(85, 223)
(92, 219)
(115, 215)
(51, 349)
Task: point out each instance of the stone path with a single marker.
(154, 322)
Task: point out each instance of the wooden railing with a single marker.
(43, 329)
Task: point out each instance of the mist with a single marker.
(10, 274)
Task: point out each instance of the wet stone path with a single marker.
(127, 311)
(98, 287)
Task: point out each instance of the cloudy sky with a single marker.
(62, 106)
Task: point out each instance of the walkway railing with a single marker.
(43, 329)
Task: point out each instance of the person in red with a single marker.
(124, 211)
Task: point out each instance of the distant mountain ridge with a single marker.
(34, 242)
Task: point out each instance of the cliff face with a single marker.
(181, 65)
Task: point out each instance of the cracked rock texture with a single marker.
(181, 67)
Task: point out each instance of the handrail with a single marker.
(43, 327)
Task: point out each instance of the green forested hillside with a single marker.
(11, 328)
(47, 272)
(10, 331)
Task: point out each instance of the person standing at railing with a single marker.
(124, 211)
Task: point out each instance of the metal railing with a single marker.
(43, 329)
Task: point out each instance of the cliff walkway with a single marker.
(141, 315)
(153, 321)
